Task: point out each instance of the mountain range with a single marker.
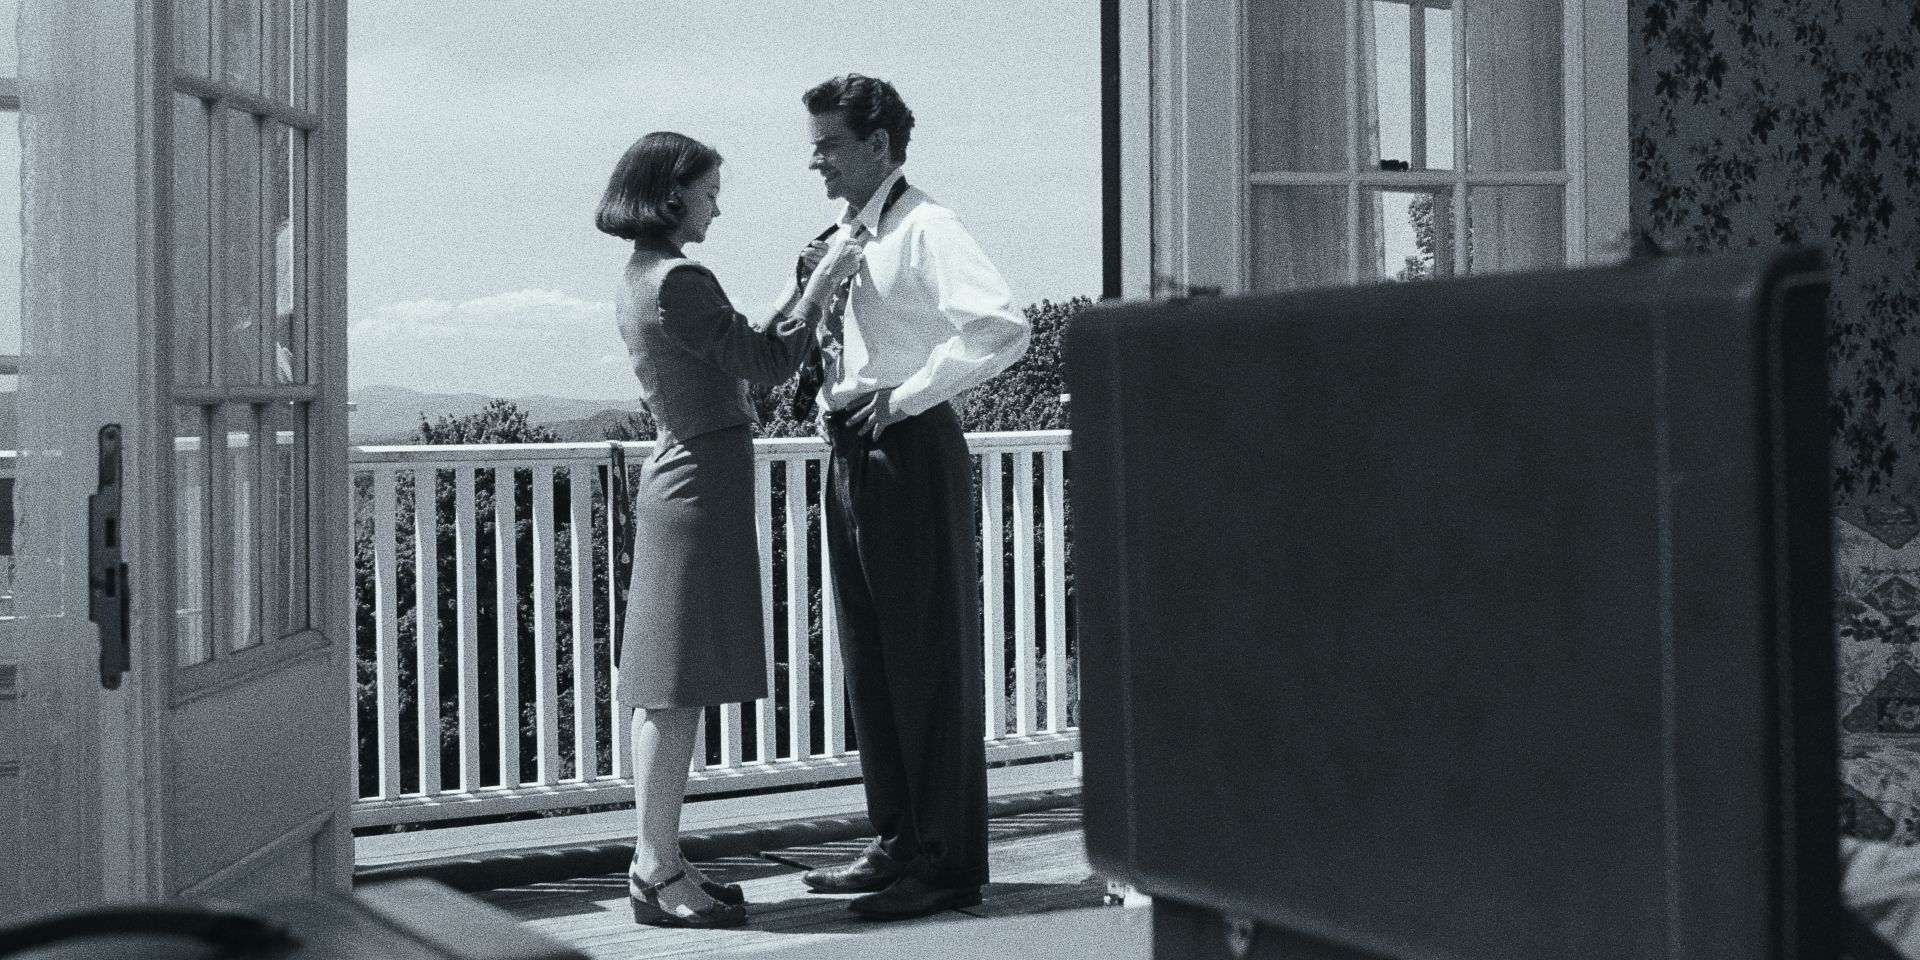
(385, 414)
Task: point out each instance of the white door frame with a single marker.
(86, 280)
(93, 82)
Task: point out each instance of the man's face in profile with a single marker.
(851, 167)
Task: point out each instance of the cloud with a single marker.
(514, 343)
(532, 312)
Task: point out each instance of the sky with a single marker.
(481, 134)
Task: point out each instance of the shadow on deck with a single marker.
(1044, 901)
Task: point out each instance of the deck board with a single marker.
(1038, 863)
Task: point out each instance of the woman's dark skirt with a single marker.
(693, 619)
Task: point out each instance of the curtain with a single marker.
(1298, 107)
(1515, 122)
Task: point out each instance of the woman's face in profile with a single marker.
(700, 201)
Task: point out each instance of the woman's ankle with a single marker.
(653, 868)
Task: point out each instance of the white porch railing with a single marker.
(430, 714)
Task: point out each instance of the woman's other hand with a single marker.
(810, 257)
(842, 257)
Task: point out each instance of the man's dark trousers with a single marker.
(906, 573)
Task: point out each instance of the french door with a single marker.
(182, 165)
(250, 292)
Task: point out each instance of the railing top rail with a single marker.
(476, 454)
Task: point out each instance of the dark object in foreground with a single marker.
(416, 919)
(1486, 617)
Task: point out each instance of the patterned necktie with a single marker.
(813, 373)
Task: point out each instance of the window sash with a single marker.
(1458, 181)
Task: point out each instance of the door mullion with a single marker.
(214, 554)
(258, 456)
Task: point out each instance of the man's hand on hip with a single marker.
(872, 414)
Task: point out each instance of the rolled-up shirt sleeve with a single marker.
(696, 313)
(989, 334)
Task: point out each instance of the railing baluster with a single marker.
(1054, 492)
(617, 718)
(1024, 700)
(799, 621)
(466, 557)
(731, 741)
(992, 587)
(833, 684)
(426, 622)
(586, 675)
(386, 634)
(763, 524)
(546, 683)
(506, 608)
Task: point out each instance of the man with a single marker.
(926, 318)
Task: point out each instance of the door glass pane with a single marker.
(1297, 58)
(11, 250)
(1411, 234)
(191, 629)
(1516, 228)
(1406, 109)
(238, 473)
(241, 261)
(284, 199)
(1439, 87)
(240, 43)
(1300, 237)
(191, 28)
(280, 62)
(192, 300)
(1386, 67)
(9, 39)
(1515, 87)
(287, 511)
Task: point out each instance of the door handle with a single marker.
(107, 602)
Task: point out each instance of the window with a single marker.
(243, 163)
(1374, 140)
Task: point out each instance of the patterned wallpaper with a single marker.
(1758, 122)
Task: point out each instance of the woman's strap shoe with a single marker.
(724, 892)
(645, 898)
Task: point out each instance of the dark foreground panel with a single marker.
(1478, 618)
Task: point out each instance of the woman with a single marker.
(693, 621)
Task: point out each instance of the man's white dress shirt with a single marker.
(928, 316)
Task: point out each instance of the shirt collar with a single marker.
(869, 215)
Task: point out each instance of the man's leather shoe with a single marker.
(912, 897)
(867, 873)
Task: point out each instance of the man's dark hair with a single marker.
(639, 202)
(868, 104)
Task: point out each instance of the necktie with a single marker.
(828, 341)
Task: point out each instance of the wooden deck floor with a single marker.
(1038, 862)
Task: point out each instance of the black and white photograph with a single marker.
(1106, 479)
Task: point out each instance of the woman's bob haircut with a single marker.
(639, 203)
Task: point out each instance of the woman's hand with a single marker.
(839, 258)
(842, 256)
(810, 257)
